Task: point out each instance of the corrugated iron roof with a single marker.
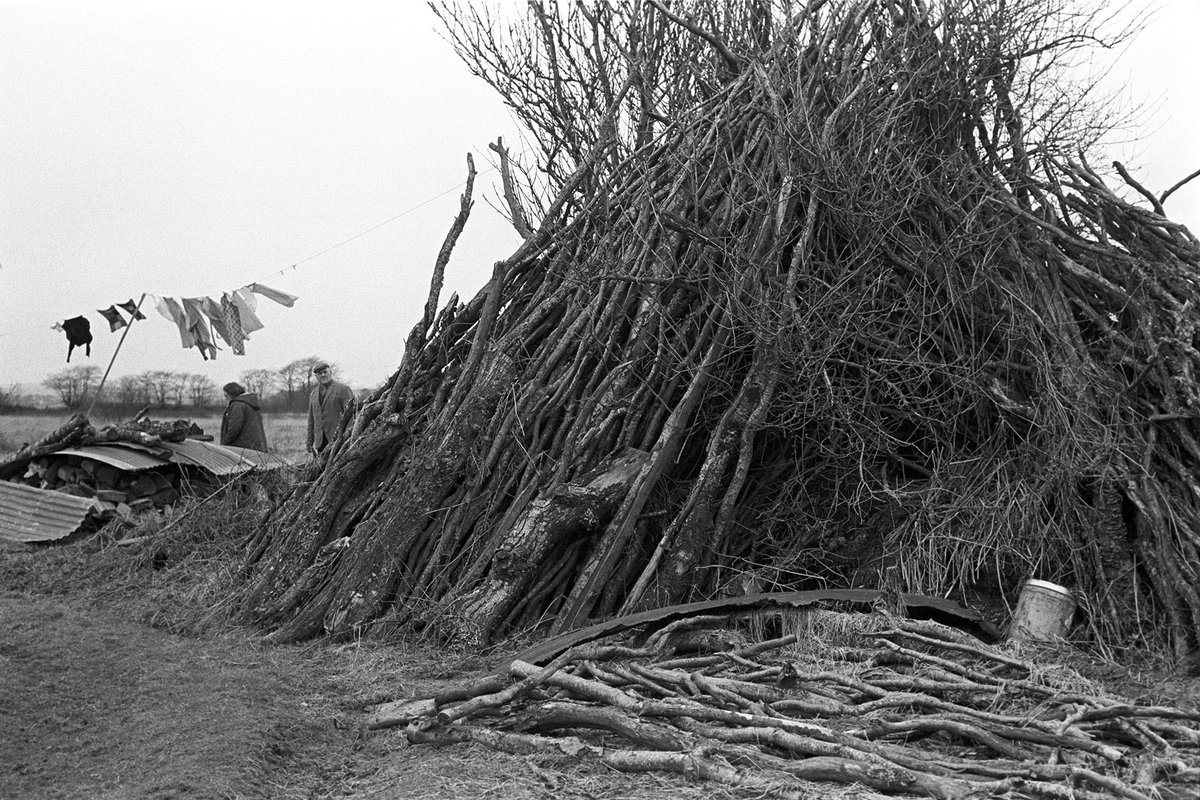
(221, 459)
(30, 514)
(116, 455)
(257, 457)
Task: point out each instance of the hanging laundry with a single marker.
(79, 334)
(216, 317)
(115, 320)
(132, 308)
(169, 307)
(198, 326)
(283, 298)
(160, 305)
(246, 304)
(233, 324)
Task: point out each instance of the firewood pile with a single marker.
(906, 707)
(117, 492)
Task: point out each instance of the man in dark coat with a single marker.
(242, 425)
(326, 404)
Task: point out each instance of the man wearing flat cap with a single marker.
(328, 401)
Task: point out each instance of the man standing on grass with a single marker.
(242, 423)
(328, 401)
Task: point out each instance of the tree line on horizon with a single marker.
(283, 389)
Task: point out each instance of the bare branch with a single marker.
(516, 210)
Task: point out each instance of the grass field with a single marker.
(285, 432)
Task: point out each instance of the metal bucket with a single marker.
(1043, 613)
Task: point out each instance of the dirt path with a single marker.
(97, 706)
(92, 705)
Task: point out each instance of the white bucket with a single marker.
(1043, 613)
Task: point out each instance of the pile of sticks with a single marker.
(824, 294)
(910, 707)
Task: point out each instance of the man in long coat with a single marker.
(326, 404)
(242, 423)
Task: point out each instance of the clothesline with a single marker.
(201, 321)
(322, 252)
(372, 228)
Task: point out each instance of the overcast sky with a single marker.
(189, 149)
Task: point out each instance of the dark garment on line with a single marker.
(79, 334)
(132, 308)
(115, 320)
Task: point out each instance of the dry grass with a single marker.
(18, 430)
(218, 713)
(237, 717)
(161, 695)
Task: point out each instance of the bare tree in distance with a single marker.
(11, 397)
(147, 382)
(259, 381)
(73, 385)
(297, 380)
(201, 390)
(161, 383)
(291, 382)
(129, 390)
(179, 388)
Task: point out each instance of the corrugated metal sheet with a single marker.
(116, 455)
(257, 457)
(29, 514)
(221, 459)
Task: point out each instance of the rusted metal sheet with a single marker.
(116, 455)
(918, 606)
(29, 514)
(221, 459)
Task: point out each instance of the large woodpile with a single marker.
(825, 294)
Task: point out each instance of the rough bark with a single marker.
(865, 317)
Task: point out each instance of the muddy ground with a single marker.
(100, 699)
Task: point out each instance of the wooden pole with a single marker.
(100, 388)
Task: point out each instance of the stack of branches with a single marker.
(79, 431)
(826, 293)
(908, 708)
